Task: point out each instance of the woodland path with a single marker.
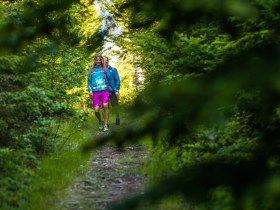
(113, 175)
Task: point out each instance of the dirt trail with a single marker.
(113, 175)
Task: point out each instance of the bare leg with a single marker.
(106, 113)
(97, 113)
(102, 111)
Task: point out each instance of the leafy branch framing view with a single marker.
(208, 101)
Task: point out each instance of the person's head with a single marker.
(98, 60)
(106, 61)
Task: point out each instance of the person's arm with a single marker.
(89, 83)
(117, 80)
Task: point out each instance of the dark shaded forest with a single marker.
(208, 104)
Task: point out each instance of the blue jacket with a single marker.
(113, 79)
(97, 79)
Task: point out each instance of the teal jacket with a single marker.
(113, 79)
(107, 79)
(97, 79)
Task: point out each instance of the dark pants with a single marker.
(115, 103)
(113, 99)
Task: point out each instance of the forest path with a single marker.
(113, 175)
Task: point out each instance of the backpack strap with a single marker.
(103, 70)
(105, 77)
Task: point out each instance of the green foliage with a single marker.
(127, 75)
(16, 174)
(211, 103)
(43, 59)
(57, 171)
(211, 99)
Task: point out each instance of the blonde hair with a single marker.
(101, 58)
(106, 57)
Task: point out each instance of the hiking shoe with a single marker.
(106, 128)
(118, 121)
(101, 126)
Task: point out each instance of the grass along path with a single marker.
(113, 175)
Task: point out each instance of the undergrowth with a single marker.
(58, 169)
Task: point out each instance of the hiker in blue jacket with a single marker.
(114, 87)
(98, 87)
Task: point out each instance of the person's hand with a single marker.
(90, 93)
(117, 93)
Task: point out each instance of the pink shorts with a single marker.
(100, 97)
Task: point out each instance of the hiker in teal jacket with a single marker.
(98, 87)
(114, 87)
